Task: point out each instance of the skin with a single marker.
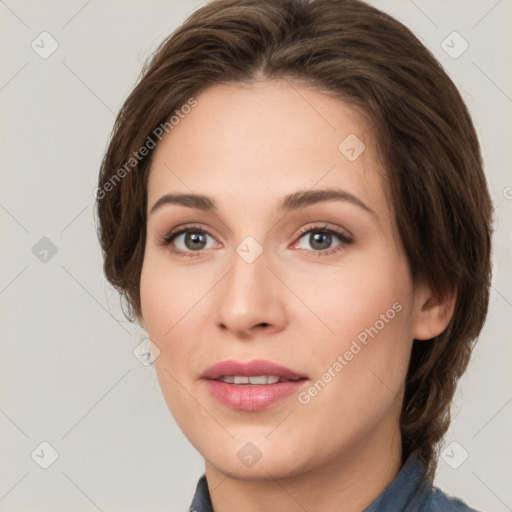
(246, 147)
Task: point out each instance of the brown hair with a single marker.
(423, 131)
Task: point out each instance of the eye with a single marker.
(192, 240)
(321, 238)
(187, 240)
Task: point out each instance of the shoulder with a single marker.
(441, 502)
(411, 491)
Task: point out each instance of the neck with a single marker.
(349, 482)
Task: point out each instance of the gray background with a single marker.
(68, 374)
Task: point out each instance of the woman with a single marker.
(293, 205)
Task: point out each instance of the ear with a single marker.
(432, 312)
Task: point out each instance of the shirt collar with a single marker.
(406, 493)
(201, 501)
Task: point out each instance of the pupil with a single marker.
(318, 239)
(197, 240)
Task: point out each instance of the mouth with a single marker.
(253, 385)
(254, 379)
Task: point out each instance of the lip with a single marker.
(251, 397)
(249, 369)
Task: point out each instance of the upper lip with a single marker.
(249, 369)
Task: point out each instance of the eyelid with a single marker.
(185, 227)
(167, 239)
(344, 235)
(325, 227)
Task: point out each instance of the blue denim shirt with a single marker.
(406, 493)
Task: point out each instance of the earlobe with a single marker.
(433, 313)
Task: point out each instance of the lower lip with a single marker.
(251, 397)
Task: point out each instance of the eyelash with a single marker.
(345, 239)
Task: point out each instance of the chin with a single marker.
(258, 460)
(278, 466)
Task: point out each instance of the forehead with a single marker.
(258, 142)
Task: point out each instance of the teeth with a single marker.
(257, 379)
(263, 379)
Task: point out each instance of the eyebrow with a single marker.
(291, 202)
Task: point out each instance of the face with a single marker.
(265, 279)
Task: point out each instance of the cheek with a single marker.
(166, 295)
(174, 309)
(369, 310)
(155, 302)
(352, 298)
(166, 298)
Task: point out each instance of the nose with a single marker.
(250, 299)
